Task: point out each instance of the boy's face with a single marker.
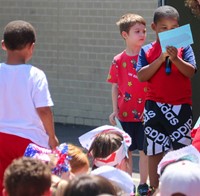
(165, 24)
(136, 36)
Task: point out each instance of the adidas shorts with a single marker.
(166, 127)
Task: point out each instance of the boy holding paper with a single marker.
(168, 114)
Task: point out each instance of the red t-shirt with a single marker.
(174, 88)
(131, 92)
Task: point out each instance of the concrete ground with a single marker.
(69, 133)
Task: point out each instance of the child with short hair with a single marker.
(128, 93)
(108, 146)
(168, 113)
(78, 161)
(25, 114)
(179, 172)
(66, 160)
(27, 177)
(85, 185)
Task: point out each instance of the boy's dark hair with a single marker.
(85, 185)
(27, 176)
(165, 11)
(129, 20)
(17, 34)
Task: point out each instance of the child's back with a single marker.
(19, 87)
(25, 115)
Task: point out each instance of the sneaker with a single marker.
(143, 189)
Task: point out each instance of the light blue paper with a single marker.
(118, 124)
(178, 37)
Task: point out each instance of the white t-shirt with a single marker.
(23, 88)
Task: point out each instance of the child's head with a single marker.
(108, 145)
(79, 162)
(105, 144)
(165, 18)
(27, 176)
(165, 12)
(108, 148)
(132, 28)
(180, 178)
(18, 34)
(18, 41)
(85, 185)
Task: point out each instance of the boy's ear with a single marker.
(3, 45)
(124, 34)
(153, 26)
(32, 46)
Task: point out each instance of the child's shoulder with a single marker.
(35, 69)
(119, 56)
(149, 46)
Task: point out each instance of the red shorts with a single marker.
(11, 147)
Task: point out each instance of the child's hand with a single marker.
(163, 56)
(112, 118)
(53, 142)
(172, 52)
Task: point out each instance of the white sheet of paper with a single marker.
(178, 37)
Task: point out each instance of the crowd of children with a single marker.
(150, 107)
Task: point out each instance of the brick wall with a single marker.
(76, 41)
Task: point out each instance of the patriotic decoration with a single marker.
(114, 158)
(59, 157)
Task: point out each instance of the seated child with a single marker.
(122, 179)
(79, 162)
(65, 161)
(107, 145)
(85, 185)
(179, 172)
(67, 157)
(27, 176)
(180, 178)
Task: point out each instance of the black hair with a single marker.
(86, 184)
(17, 34)
(165, 12)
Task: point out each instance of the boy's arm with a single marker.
(184, 67)
(146, 72)
(114, 103)
(46, 117)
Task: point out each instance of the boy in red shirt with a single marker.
(128, 93)
(168, 113)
